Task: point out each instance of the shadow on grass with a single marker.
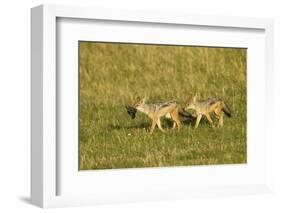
(165, 122)
(188, 121)
(137, 126)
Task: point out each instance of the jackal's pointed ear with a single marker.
(138, 99)
(195, 97)
(189, 98)
(144, 100)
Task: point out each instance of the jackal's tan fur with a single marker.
(205, 107)
(157, 110)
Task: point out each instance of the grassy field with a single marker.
(112, 75)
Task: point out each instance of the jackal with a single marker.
(155, 111)
(205, 107)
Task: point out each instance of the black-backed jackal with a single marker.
(155, 111)
(205, 107)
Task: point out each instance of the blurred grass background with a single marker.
(112, 75)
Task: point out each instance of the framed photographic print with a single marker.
(129, 106)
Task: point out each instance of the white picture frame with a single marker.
(45, 168)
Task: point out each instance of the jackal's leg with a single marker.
(159, 125)
(219, 116)
(175, 117)
(221, 120)
(178, 123)
(199, 116)
(210, 120)
(174, 125)
(154, 121)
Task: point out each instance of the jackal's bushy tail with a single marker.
(226, 109)
(184, 113)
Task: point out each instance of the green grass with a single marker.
(112, 75)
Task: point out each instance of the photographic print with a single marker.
(154, 105)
